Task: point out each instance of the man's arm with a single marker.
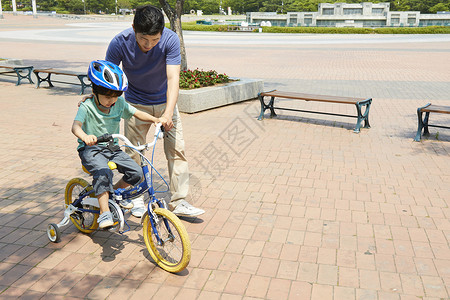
(173, 87)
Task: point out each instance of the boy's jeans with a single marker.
(95, 160)
(136, 131)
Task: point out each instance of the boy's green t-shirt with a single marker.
(98, 123)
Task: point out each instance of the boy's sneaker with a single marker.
(126, 203)
(139, 207)
(184, 209)
(105, 220)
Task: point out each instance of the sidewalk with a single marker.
(297, 207)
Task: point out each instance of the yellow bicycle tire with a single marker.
(79, 184)
(174, 265)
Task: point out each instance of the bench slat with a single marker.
(59, 72)
(437, 108)
(15, 66)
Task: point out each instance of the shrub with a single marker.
(330, 30)
(192, 79)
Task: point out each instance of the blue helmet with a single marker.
(106, 74)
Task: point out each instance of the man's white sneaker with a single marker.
(139, 207)
(105, 220)
(126, 203)
(184, 209)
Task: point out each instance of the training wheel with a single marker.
(53, 233)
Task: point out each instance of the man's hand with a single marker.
(166, 122)
(90, 140)
(85, 98)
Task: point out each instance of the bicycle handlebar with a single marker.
(108, 137)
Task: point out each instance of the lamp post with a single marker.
(84, 6)
(1, 10)
(33, 3)
(14, 7)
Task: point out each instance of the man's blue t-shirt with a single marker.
(146, 72)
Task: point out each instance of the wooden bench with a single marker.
(81, 77)
(423, 122)
(22, 72)
(360, 103)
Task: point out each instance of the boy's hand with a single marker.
(85, 98)
(166, 122)
(90, 140)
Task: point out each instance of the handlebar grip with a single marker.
(104, 138)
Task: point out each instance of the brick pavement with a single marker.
(298, 207)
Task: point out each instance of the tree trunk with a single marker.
(174, 16)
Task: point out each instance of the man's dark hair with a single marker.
(148, 20)
(100, 90)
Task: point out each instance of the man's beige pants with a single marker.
(136, 131)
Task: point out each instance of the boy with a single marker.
(99, 115)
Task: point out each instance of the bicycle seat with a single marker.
(112, 165)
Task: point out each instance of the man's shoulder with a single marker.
(125, 34)
(169, 34)
(170, 39)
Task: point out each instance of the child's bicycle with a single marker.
(165, 236)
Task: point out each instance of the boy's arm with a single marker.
(143, 116)
(79, 133)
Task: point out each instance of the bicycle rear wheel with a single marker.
(173, 252)
(85, 221)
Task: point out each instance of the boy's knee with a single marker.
(102, 181)
(134, 177)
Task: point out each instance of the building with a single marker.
(366, 14)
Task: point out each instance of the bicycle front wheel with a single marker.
(85, 221)
(173, 250)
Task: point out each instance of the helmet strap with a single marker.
(97, 99)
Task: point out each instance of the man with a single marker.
(150, 57)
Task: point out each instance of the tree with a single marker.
(439, 7)
(174, 15)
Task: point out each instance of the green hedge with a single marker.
(195, 27)
(330, 30)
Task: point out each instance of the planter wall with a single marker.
(11, 61)
(191, 101)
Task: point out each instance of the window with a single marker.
(326, 23)
(293, 20)
(374, 23)
(352, 11)
(377, 11)
(328, 11)
(308, 21)
(435, 22)
(395, 20)
(411, 20)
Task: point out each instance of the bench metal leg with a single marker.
(265, 106)
(83, 84)
(363, 116)
(42, 79)
(422, 123)
(20, 76)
